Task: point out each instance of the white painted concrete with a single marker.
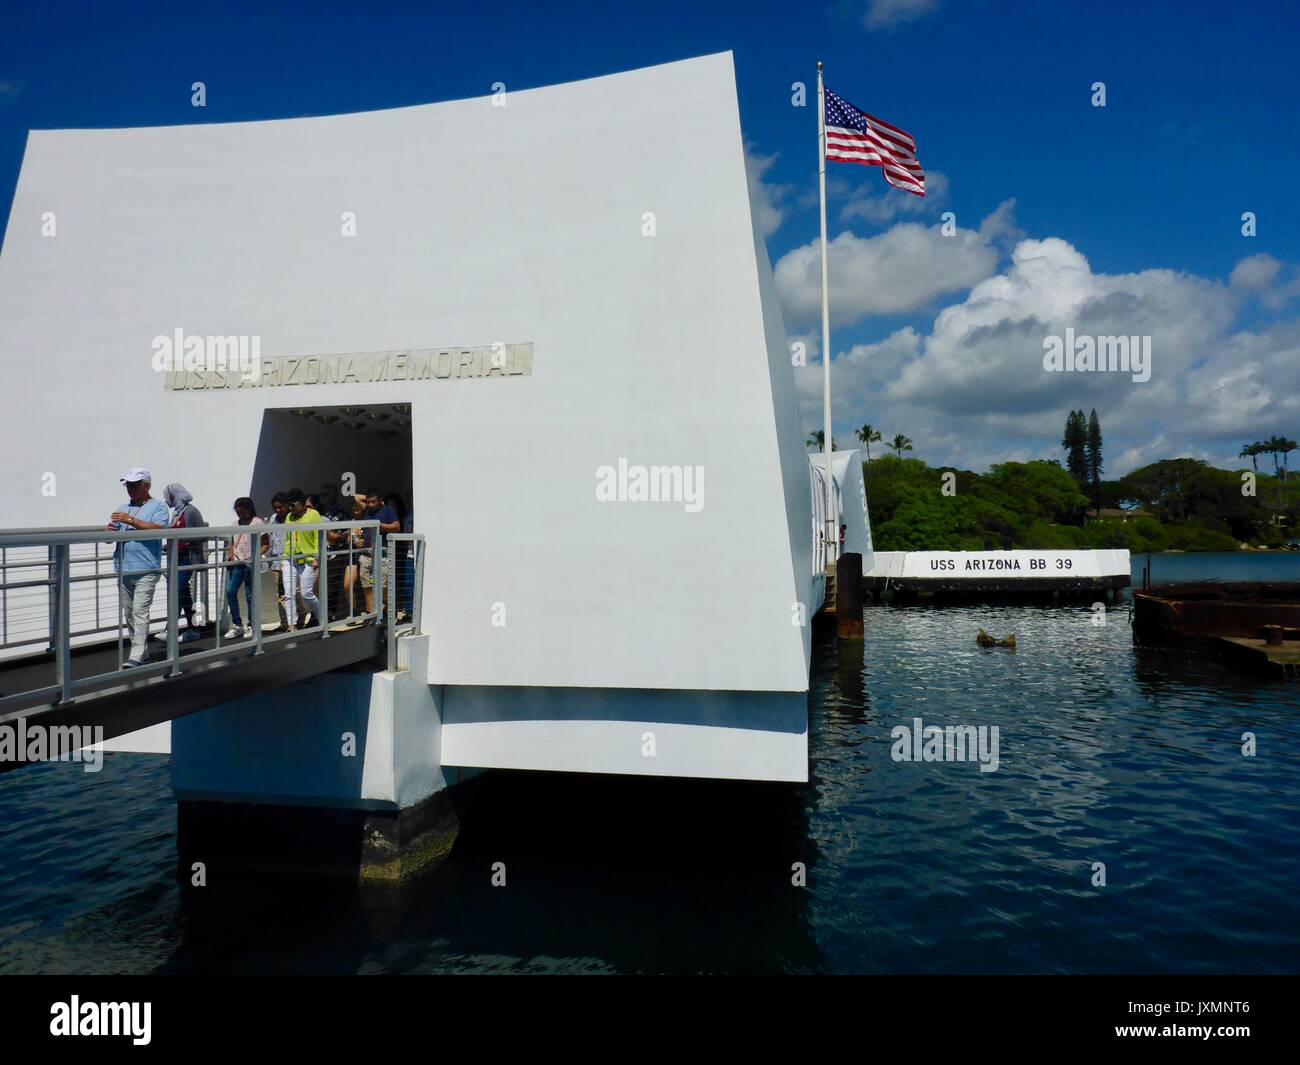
(846, 469)
(290, 746)
(734, 735)
(474, 224)
(156, 739)
(983, 565)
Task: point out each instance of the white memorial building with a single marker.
(547, 317)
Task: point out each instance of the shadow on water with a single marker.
(840, 678)
(602, 874)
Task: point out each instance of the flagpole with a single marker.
(832, 541)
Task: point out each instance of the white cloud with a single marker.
(986, 354)
(1274, 299)
(973, 390)
(855, 374)
(900, 270)
(1154, 450)
(766, 199)
(1257, 271)
(886, 14)
(1000, 227)
(1274, 283)
(891, 202)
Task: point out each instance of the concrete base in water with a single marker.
(340, 774)
(370, 846)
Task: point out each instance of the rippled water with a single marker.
(1107, 755)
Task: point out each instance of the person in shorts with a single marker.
(389, 522)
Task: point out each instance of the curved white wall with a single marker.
(474, 224)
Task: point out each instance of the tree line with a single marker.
(1277, 446)
(867, 435)
(1171, 505)
(1174, 504)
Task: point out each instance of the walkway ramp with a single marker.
(64, 650)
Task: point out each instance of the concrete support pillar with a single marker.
(848, 596)
(339, 774)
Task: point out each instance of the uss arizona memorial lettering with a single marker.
(486, 360)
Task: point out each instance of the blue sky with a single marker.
(1133, 210)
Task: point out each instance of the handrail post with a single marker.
(205, 613)
(390, 612)
(173, 608)
(377, 562)
(216, 548)
(118, 586)
(417, 593)
(50, 569)
(350, 593)
(256, 620)
(323, 592)
(62, 636)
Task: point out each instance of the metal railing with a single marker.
(405, 578)
(56, 586)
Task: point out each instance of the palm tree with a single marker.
(1284, 448)
(1252, 452)
(1273, 446)
(818, 440)
(868, 436)
(900, 443)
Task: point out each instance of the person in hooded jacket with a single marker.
(185, 515)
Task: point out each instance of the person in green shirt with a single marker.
(304, 558)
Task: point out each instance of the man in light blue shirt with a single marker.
(137, 561)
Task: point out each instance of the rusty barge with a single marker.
(1254, 625)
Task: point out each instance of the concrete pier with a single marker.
(1253, 625)
(1085, 575)
(339, 774)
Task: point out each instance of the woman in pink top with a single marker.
(240, 557)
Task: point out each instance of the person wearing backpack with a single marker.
(185, 515)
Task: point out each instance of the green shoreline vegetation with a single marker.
(1179, 504)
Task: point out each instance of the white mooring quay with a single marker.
(1100, 572)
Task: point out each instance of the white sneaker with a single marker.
(235, 633)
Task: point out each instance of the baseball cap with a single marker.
(136, 473)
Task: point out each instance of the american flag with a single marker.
(853, 136)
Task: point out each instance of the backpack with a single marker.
(191, 518)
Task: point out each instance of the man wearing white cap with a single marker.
(137, 561)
